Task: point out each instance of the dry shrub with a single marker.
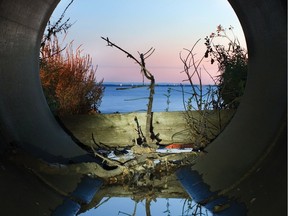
(68, 79)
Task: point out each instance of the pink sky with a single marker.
(164, 70)
(167, 25)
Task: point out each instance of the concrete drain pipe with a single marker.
(257, 130)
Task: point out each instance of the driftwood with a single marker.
(146, 164)
(142, 163)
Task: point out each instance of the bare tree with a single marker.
(149, 132)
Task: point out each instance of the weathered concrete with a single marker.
(120, 129)
(259, 122)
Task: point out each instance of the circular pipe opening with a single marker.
(26, 118)
(155, 73)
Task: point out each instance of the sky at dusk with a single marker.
(166, 25)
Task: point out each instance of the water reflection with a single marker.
(165, 188)
(159, 206)
(166, 196)
(170, 195)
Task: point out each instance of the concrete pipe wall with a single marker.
(25, 118)
(261, 117)
(259, 123)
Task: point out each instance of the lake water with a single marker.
(129, 97)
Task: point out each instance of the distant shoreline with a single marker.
(120, 84)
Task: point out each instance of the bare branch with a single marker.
(109, 43)
(59, 26)
(129, 55)
(150, 50)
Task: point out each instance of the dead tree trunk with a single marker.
(147, 207)
(149, 119)
(149, 133)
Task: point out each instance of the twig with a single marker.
(109, 43)
(111, 162)
(106, 200)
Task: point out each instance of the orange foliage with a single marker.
(68, 79)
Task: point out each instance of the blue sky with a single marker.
(167, 25)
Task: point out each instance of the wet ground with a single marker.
(263, 192)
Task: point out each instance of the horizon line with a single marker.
(147, 83)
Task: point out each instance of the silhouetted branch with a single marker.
(150, 77)
(111, 44)
(129, 55)
(58, 26)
